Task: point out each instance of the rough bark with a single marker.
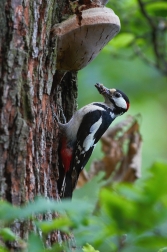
(29, 87)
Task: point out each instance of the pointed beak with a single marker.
(102, 89)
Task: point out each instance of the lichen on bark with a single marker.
(28, 134)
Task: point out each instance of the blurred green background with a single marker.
(118, 66)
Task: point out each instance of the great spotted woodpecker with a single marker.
(80, 135)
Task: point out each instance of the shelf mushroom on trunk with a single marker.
(80, 40)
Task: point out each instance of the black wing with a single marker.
(92, 127)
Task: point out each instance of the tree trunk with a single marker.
(29, 89)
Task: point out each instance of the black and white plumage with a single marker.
(80, 135)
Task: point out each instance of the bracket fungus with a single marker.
(79, 40)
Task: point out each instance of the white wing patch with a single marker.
(89, 140)
(73, 125)
(120, 102)
(112, 115)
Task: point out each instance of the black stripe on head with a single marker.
(102, 106)
(117, 109)
(124, 96)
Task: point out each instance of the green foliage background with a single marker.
(117, 66)
(127, 218)
(124, 218)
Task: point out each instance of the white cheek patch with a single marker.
(120, 102)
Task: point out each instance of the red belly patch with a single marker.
(66, 155)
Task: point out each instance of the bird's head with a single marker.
(114, 98)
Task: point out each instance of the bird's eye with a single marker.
(117, 95)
